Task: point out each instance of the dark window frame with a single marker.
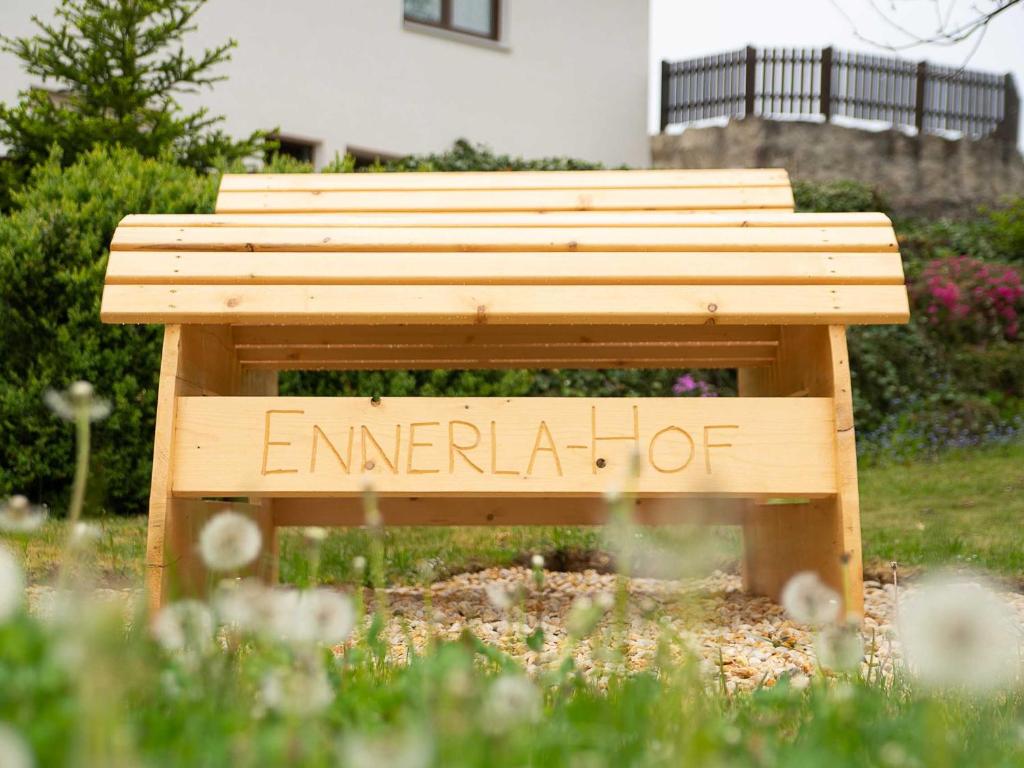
(302, 149)
(446, 21)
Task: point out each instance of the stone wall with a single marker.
(928, 175)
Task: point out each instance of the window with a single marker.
(366, 158)
(471, 17)
(302, 150)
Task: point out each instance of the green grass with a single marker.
(962, 509)
(965, 508)
(126, 701)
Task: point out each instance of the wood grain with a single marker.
(483, 180)
(502, 446)
(511, 239)
(701, 268)
(626, 219)
(505, 305)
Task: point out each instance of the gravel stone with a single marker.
(739, 641)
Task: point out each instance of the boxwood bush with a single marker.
(53, 253)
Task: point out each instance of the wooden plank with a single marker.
(481, 337)
(263, 383)
(398, 360)
(502, 446)
(474, 239)
(575, 199)
(639, 354)
(505, 305)
(506, 511)
(783, 540)
(484, 180)
(195, 360)
(191, 267)
(510, 219)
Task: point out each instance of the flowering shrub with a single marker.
(970, 300)
(687, 386)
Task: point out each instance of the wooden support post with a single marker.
(750, 84)
(196, 361)
(666, 94)
(919, 96)
(1010, 124)
(263, 383)
(825, 83)
(784, 539)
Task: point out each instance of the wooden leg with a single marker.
(263, 383)
(196, 360)
(821, 535)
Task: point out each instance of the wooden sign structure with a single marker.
(595, 269)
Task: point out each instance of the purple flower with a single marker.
(684, 384)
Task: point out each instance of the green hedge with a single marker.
(53, 254)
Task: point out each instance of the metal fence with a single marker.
(795, 82)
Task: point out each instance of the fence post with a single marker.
(1009, 125)
(922, 76)
(751, 85)
(825, 80)
(666, 77)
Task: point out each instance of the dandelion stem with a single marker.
(82, 435)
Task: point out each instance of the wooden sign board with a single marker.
(256, 446)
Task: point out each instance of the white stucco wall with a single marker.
(569, 78)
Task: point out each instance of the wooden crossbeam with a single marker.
(514, 239)
(505, 305)
(483, 180)
(311, 447)
(747, 268)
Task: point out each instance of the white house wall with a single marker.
(569, 77)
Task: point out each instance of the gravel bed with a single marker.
(743, 641)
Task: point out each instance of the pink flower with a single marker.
(685, 383)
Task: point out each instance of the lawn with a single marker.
(964, 508)
(82, 689)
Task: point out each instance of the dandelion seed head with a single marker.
(612, 494)
(359, 564)
(427, 569)
(312, 616)
(78, 400)
(840, 648)
(14, 750)
(511, 701)
(85, 534)
(330, 614)
(245, 605)
(808, 600)
(799, 681)
(12, 585)
(185, 627)
(229, 541)
(299, 691)
(893, 754)
(314, 533)
(394, 749)
(537, 561)
(583, 616)
(81, 392)
(17, 515)
(960, 634)
(499, 595)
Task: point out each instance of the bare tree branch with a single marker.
(947, 32)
